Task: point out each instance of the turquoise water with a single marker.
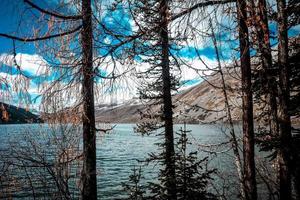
(118, 152)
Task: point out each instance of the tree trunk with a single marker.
(284, 97)
(167, 104)
(248, 132)
(89, 176)
(280, 124)
(266, 56)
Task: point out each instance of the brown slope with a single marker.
(201, 103)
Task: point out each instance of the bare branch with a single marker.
(106, 129)
(187, 11)
(58, 15)
(22, 39)
(201, 5)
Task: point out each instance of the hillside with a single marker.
(14, 115)
(205, 102)
(201, 103)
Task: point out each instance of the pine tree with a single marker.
(158, 81)
(191, 173)
(133, 187)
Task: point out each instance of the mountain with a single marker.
(205, 102)
(127, 112)
(14, 115)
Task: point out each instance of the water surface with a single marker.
(118, 152)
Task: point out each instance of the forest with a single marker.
(150, 99)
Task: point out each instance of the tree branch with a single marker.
(39, 38)
(105, 130)
(201, 5)
(187, 11)
(58, 15)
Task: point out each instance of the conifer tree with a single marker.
(158, 81)
(192, 174)
(133, 187)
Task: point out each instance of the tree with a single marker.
(259, 20)
(280, 124)
(89, 173)
(248, 129)
(284, 98)
(89, 190)
(234, 139)
(167, 102)
(156, 14)
(192, 173)
(165, 81)
(42, 162)
(133, 187)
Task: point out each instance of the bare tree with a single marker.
(89, 190)
(42, 162)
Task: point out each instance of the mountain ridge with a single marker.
(11, 114)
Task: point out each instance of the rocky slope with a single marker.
(201, 103)
(204, 102)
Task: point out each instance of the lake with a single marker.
(117, 155)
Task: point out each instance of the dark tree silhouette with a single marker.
(248, 132)
(284, 98)
(167, 102)
(89, 173)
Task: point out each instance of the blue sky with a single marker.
(14, 12)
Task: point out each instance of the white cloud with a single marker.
(198, 68)
(12, 79)
(34, 64)
(126, 86)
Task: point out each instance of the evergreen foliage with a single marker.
(133, 187)
(192, 174)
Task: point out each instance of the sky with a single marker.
(31, 68)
